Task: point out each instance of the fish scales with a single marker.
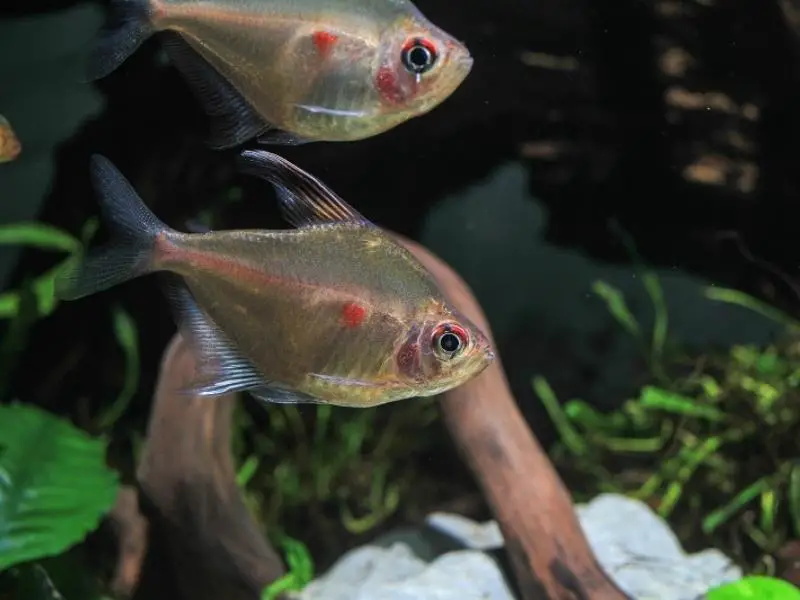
(334, 311)
(301, 70)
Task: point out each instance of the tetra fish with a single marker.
(295, 71)
(334, 311)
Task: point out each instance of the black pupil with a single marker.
(419, 57)
(450, 342)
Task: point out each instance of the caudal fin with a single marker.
(129, 253)
(130, 27)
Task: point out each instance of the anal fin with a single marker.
(279, 137)
(233, 120)
(221, 368)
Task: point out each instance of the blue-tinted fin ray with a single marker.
(130, 251)
(117, 41)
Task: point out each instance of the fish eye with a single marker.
(449, 340)
(418, 56)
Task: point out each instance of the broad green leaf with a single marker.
(661, 399)
(38, 235)
(54, 484)
(755, 587)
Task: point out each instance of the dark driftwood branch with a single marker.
(548, 551)
(204, 544)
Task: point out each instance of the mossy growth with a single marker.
(711, 443)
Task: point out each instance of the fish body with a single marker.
(10, 146)
(334, 311)
(304, 70)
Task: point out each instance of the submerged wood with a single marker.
(203, 543)
(544, 541)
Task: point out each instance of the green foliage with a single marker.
(714, 434)
(43, 237)
(755, 588)
(54, 485)
(356, 463)
(301, 570)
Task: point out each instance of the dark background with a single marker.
(676, 120)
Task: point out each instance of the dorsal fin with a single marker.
(305, 201)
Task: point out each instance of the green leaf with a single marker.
(738, 298)
(38, 235)
(747, 495)
(793, 494)
(661, 316)
(301, 570)
(54, 484)
(128, 339)
(569, 435)
(661, 399)
(755, 588)
(615, 302)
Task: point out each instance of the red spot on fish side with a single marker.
(324, 41)
(388, 86)
(353, 314)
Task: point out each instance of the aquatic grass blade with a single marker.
(38, 235)
(301, 570)
(54, 484)
(660, 320)
(127, 337)
(793, 494)
(615, 302)
(731, 296)
(720, 516)
(569, 435)
(652, 397)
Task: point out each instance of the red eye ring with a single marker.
(444, 342)
(418, 55)
(417, 41)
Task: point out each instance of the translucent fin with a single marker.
(222, 369)
(195, 226)
(117, 41)
(128, 254)
(233, 120)
(304, 199)
(347, 382)
(278, 137)
(278, 395)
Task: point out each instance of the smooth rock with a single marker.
(395, 573)
(633, 545)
